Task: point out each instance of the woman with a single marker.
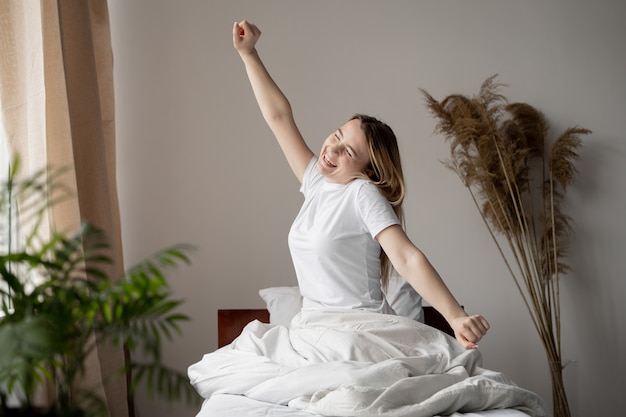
(349, 228)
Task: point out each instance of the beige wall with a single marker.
(198, 165)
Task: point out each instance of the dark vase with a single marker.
(40, 412)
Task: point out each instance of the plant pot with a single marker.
(39, 412)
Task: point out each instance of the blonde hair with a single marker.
(384, 171)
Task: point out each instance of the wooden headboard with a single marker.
(230, 323)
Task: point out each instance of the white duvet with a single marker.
(354, 363)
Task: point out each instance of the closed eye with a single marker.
(338, 138)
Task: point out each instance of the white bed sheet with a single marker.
(349, 363)
(226, 405)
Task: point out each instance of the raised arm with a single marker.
(274, 106)
(413, 266)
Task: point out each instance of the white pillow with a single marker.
(283, 303)
(404, 300)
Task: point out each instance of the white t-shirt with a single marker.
(333, 246)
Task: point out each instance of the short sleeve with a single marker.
(311, 178)
(376, 212)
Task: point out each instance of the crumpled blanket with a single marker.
(336, 362)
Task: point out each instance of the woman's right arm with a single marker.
(274, 105)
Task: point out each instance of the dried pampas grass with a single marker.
(517, 180)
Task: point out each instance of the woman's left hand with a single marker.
(469, 330)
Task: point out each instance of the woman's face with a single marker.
(344, 155)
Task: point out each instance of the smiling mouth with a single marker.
(327, 161)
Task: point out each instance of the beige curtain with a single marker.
(56, 98)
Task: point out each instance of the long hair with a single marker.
(385, 171)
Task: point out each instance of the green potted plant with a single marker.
(56, 298)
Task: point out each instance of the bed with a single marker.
(290, 361)
(230, 322)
